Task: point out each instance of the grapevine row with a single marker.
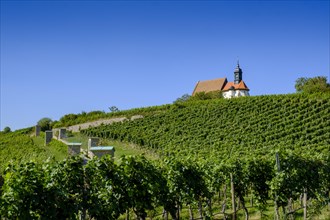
(249, 124)
(101, 189)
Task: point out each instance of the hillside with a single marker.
(211, 128)
(212, 151)
(19, 147)
(223, 128)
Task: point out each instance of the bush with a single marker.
(45, 124)
(206, 96)
(183, 98)
(6, 130)
(312, 85)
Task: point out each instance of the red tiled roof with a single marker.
(210, 85)
(239, 86)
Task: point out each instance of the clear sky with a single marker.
(61, 57)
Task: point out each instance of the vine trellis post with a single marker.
(305, 204)
(233, 195)
(277, 216)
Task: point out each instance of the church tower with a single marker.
(237, 74)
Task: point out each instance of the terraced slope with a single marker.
(222, 128)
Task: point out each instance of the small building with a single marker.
(229, 89)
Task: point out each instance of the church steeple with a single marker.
(237, 74)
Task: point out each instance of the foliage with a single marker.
(230, 128)
(298, 175)
(107, 197)
(45, 124)
(312, 85)
(74, 119)
(215, 133)
(183, 98)
(258, 173)
(22, 192)
(101, 189)
(113, 109)
(143, 184)
(186, 184)
(26, 131)
(66, 180)
(32, 191)
(201, 145)
(69, 133)
(6, 130)
(19, 147)
(206, 96)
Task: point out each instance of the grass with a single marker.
(78, 138)
(121, 148)
(254, 213)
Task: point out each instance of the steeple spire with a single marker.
(237, 74)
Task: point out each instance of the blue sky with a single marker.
(61, 57)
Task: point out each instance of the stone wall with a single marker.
(74, 148)
(100, 153)
(92, 142)
(103, 150)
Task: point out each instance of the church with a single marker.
(229, 89)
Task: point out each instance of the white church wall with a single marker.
(235, 93)
(228, 94)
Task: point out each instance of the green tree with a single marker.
(183, 98)
(45, 124)
(312, 85)
(6, 130)
(113, 109)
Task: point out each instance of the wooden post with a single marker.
(305, 204)
(127, 214)
(200, 209)
(278, 163)
(233, 196)
(223, 211)
(329, 202)
(178, 212)
(191, 214)
(277, 215)
(165, 214)
(209, 204)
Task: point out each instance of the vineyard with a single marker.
(249, 126)
(19, 147)
(166, 189)
(265, 157)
